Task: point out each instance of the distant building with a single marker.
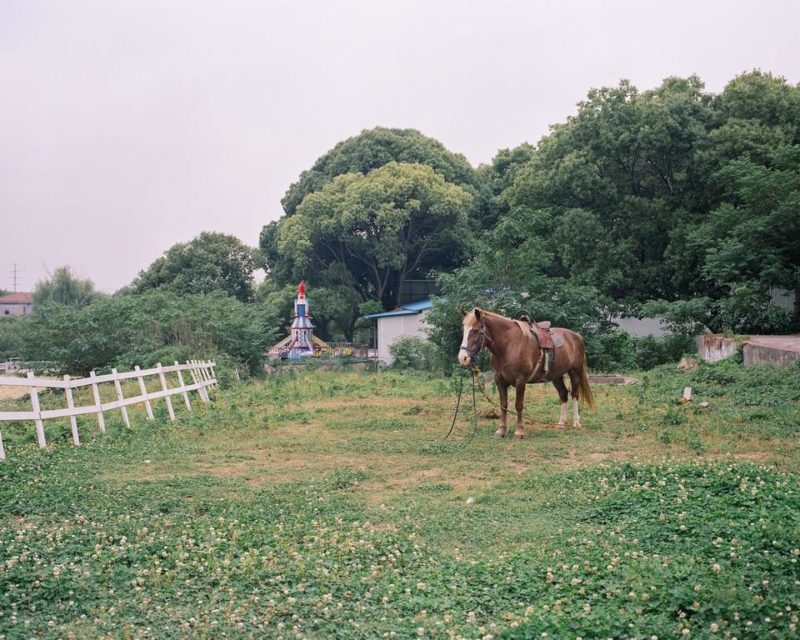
(408, 320)
(16, 304)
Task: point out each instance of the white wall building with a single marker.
(408, 320)
(16, 304)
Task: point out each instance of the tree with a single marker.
(212, 262)
(626, 161)
(397, 222)
(65, 288)
(753, 236)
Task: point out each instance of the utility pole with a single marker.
(15, 277)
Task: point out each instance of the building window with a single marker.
(7, 312)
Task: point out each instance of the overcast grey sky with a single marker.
(128, 126)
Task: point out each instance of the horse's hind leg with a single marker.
(502, 389)
(575, 381)
(563, 395)
(519, 433)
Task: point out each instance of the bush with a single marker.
(652, 352)
(411, 352)
(157, 326)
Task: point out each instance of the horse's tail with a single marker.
(584, 387)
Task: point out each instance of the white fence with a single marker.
(201, 372)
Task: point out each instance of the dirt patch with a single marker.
(15, 393)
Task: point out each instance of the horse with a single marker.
(518, 359)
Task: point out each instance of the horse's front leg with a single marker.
(518, 404)
(502, 389)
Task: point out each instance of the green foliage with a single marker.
(651, 352)
(378, 230)
(673, 194)
(412, 352)
(130, 330)
(11, 330)
(373, 149)
(189, 529)
(212, 262)
(65, 288)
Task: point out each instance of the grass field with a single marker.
(327, 505)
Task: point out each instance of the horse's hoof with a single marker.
(499, 434)
(576, 425)
(518, 435)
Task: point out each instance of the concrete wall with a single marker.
(712, 347)
(640, 327)
(394, 327)
(16, 309)
(760, 354)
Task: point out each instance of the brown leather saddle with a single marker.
(541, 332)
(544, 337)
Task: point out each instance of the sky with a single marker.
(129, 126)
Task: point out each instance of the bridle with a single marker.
(483, 339)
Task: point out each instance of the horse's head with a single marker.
(474, 337)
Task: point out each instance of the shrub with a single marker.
(411, 352)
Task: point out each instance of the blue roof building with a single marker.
(408, 320)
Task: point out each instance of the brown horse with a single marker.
(518, 360)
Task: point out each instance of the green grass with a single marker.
(327, 505)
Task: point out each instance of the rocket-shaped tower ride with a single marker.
(302, 336)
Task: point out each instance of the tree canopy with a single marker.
(374, 148)
(396, 222)
(64, 287)
(212, 262)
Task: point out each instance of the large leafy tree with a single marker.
(752, 237)
(397, 222)
(212, 262)
(626, 161)
(374, 148)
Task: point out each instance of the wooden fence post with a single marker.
(204, 374)
(37, 412)
(121, 397)
(143, 389)
(201, 371)
(196, 377)
(165, 388)
(183, 386)
(73, 422)
(101, 419)
(2, 448)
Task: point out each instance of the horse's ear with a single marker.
(477, 313)
(463, 313)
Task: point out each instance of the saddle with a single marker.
(540, 331)
(543, 336)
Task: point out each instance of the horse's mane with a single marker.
(493, 314)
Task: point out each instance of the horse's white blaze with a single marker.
(563, 419)
(463, 353)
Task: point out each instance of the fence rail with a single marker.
(201, 372)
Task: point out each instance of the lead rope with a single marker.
(475, 372)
